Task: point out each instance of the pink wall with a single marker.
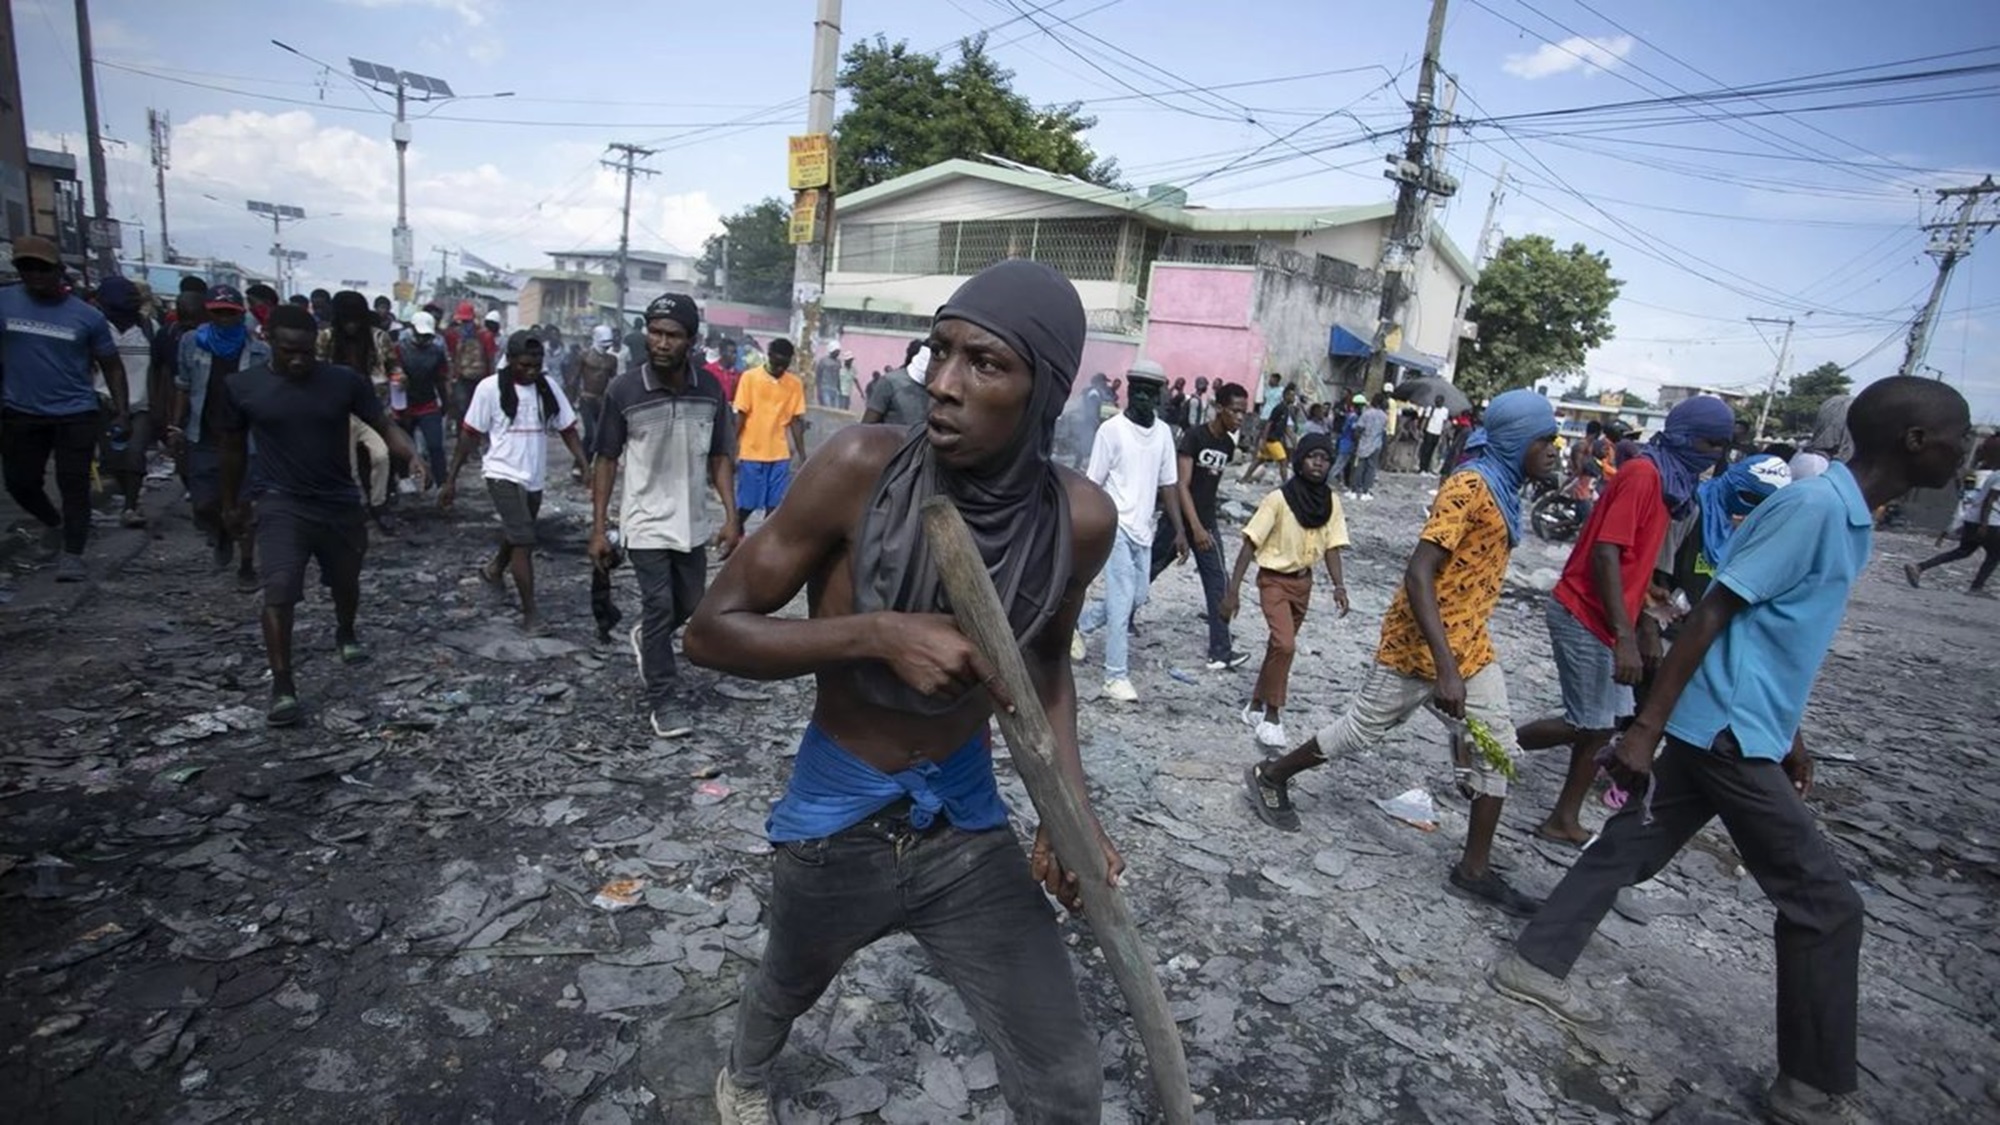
(1198, 323)
(1113, 357)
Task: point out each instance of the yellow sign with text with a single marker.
(811, 161)
(805, 217)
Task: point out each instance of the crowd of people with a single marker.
(1687, 626)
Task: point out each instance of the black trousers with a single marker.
(27, 441)
(670, 587)
(1972, 538)
(1818, 931)
(1426, 451)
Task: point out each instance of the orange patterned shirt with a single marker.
(1467, 522)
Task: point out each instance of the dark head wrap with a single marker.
(519, 344)
(1311, 504)
(679, 308)
(1017, 509)
(1673, 452)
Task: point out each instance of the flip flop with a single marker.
(353, 652)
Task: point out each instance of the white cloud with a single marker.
(1589, 55)
(471, 34)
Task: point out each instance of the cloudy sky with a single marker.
(1803, 203)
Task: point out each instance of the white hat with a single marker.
(834, 350)
(601, 335)
(493, 317)
(424, 324)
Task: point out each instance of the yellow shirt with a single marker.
(1467, 522)
(768, 406)
(1283, 544)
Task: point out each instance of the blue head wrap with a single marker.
(223, 342)
(1723, 501)
(1673, 452)
(1513, 421)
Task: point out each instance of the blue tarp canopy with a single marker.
(1343, 342)
(1415, 362)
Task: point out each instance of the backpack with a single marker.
(468, 356)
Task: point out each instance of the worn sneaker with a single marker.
(1272, 735)
(667, 724)
(1493, 890)
(1076, 649)
(353, 652)
(284, 711)
(1515, 977)
(1252, 714)
(1226, 663)
(1914, 575)
(1795, 1103)
(1271, 800)
(741, 1105)
(1121, 689)
(70, 568)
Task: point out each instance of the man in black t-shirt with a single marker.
(1204, 455)
(307, 504)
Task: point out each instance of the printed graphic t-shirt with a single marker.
(1466, 521)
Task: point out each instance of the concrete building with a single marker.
(1229, 293)
(55, 202)
(13, 139)
(1672, 394)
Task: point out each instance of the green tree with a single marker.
(760, 255)
(1795, 411)
(908, 111)
(1540, 310)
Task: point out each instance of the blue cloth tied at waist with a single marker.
(832, 790)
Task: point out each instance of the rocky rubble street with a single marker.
(472, 887)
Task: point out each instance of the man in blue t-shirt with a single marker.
(49, 341)
(1727, 701)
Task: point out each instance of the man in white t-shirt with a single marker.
(123, 455)
(1133, 460)
(1436, 419)
(514, 412)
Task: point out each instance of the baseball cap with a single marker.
(424, 324)
(224, 297)
(465, 311)
(35, 248)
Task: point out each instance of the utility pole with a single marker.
(161, 132)
(444, 267)
(279, 214)
(1479, 255)
(1778, 373)
(1417, 181)
(101, 238)
(631, 155)
(1954, 245)
(809, 267)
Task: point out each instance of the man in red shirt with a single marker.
(725, 368)
(1593, 617)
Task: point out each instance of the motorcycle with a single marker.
(1555, 513)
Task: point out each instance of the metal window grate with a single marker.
(1081, 249)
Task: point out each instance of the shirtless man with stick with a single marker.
(892, 820)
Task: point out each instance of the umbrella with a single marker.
(1424, 391)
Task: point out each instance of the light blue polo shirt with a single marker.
(1794, 561)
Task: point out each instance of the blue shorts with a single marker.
(761, 485)
(1592, 698)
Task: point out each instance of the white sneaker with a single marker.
(739, 1105)
(1368, 496)
(1272, 735)
(1121, 689)
(1076, 649)
(1347, 495)
(1252, 714)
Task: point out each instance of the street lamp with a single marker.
(279, 214)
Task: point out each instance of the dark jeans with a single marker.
(670, 586)
(1818, 930)
(27, 441)
(1426, 451)
(590, 411)
(1972, 538)
(969, 901)
(1210, 564)
(431, 427)
(1365, 469)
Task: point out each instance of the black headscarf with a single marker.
(1311, 504)
(1018, 511)
(519, 344)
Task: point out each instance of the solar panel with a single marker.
(426, 83)
(260, 207)
(287, 211)
(373, 72)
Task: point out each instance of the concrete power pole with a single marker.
(1955, 244)
(444, 269)
(1416, 181)
(809, 267)
(1479, 255)
(1778, 373)
(101, 241)
(161, 132)
(629, 165)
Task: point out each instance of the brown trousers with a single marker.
(1285, 598)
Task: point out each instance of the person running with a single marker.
(1271, 438)
(1978, 522)
(1294, 529)
(770, 432)
(423, 370)
(353, 339)
(670, 424)
(594, 372)
(291, 411)
(1371, 428)
(892, 820)
(51, 341)
(1727, 705)
(898, 398)
(1435, 649)
(216, 349)
(1133, 460)
(514, 412)
(135, 334)
(1593, 615)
